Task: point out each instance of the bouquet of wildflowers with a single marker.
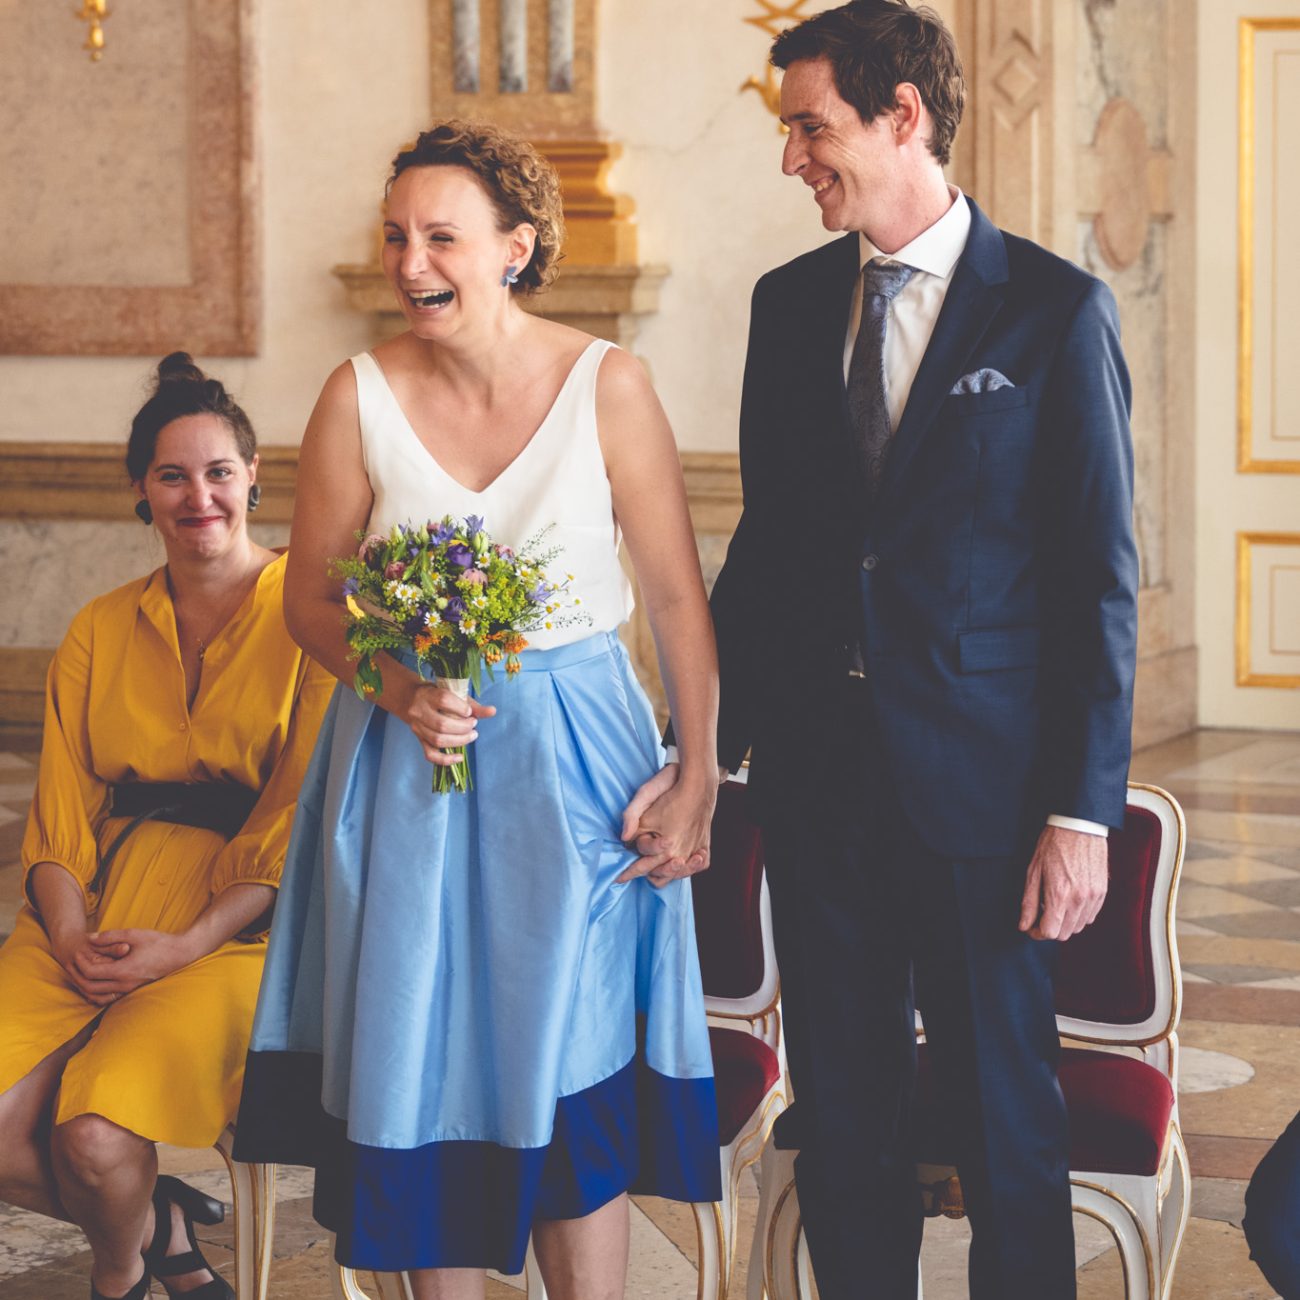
(453, 598)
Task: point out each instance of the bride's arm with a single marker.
(650, 504)
(332, 501)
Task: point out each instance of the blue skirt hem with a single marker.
(472, 1204)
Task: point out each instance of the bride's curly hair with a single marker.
(522, 185)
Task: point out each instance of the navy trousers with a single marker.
(868, 924)
(1272, 1222)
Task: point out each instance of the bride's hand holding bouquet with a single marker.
(458, 604)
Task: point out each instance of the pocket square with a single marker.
(980, 381)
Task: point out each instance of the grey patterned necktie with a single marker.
(868, 410)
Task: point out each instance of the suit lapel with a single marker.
(973, 299)
(821, 325)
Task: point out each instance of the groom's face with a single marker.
(845, 161)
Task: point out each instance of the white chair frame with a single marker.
(253, 1192)
(1147, 1216)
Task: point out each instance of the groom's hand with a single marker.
(1066, 884)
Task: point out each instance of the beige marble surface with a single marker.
(94, 155)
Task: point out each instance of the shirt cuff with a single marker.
(1078, 824)
(670, 754)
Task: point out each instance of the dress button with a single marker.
(185, 726)
(869, 562)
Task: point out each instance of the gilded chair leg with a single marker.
(1173, 1215)
(1127, 1207)
(253, 1197)
(711, 1232)
(345, 1286)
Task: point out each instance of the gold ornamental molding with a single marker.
(1247, 675)
(1247, 462)
(774, 19)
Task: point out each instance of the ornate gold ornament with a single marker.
(94, 12)
(774, 19)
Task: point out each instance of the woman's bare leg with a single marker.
(26, 1120)
(106, 1176)
(448, 1283)
(585, 1259)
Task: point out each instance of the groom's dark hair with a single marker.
(873, 46)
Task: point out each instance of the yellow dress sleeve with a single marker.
(256, 855)
(70, 800)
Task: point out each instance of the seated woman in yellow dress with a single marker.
(180, 717)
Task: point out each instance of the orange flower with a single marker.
(512, 667)
(422, 643)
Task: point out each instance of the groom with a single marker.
(927, 627)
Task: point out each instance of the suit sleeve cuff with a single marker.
(1078, 824)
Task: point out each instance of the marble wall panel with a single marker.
(1141, 294)
(61, 565)
(1123, 50)
(91, 152)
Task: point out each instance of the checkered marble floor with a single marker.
(1239, 936)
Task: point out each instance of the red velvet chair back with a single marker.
(1107, 973)
(728, 896)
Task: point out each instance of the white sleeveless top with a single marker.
(557, 479)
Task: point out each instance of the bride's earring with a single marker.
(511, 276)
(144, 511)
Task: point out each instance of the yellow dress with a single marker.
(167, 1061)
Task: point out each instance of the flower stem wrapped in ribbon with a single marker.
(457, 601)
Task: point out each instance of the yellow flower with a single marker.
(354, 609)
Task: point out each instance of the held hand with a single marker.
(1066, 884)
(672, 834)
(441, 720)
(87, 963)
(149, 956)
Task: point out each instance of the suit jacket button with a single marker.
(869, 562)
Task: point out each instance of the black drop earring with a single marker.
(254, 498)
(144, 511)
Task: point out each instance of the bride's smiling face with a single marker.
(444, 254)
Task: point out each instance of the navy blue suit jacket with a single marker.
(992, 585)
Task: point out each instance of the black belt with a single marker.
(219, 806)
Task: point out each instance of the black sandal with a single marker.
(197, 1208)
(138, 1292)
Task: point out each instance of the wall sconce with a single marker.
(94, 12)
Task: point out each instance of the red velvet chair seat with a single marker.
(1119, 1111)
(744, 1069)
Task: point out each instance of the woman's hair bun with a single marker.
(180, 389)
(179, 366)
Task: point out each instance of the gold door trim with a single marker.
(1246, 676)
(1246, 462)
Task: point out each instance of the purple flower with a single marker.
(539, 594)
(351, 586)
(439, 533)
(414, 625)
(455, 610)
(461, 555)
(473, 524)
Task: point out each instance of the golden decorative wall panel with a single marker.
(1268, 609)
(1268, 380)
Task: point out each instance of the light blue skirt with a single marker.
(465, 1023)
